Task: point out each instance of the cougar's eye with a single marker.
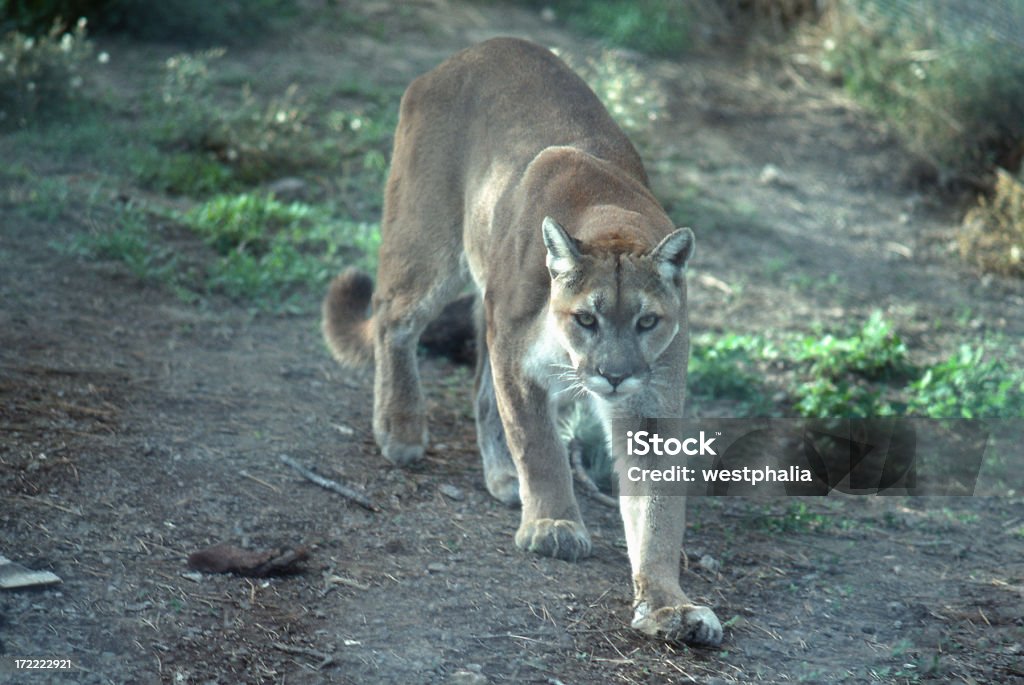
(585, 319)
(647, 322)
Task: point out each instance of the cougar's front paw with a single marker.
(694, 625)
(558, 538)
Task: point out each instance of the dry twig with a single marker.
(334, 486)
(325, 659)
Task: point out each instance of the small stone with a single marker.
(436, 567)
(709, 564)
(771, 176)
(466, 678)
(451, 492)
(289, 188)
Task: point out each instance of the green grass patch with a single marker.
(825, 397)
(269, 252)
(129, 238)
(252, 248)
(44, 199)
(183, 173)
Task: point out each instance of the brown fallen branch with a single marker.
(325, 659)
(334, 486)
(584, 479)
(225, 558)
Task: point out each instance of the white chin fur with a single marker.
(601, 388)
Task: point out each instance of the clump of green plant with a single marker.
(972, 383)
(268, 251)
(873, 352)
(41, 75)
(992, 236)
(838, 368)
(830, 397)
(953, 92)
(726, 365)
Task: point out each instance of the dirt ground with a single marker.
(135, 429)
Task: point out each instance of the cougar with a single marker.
(508, 172)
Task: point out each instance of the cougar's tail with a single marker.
(347, 330)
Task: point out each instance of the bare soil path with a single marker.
(135, 429)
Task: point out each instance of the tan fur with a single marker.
(346, 328)
(508, 171)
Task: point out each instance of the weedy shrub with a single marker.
(254, 138)
(238, 138)
(42, 75)
(992, 236)
(953, 91)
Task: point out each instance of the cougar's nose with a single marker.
(613, 376)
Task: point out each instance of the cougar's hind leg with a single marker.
(499, 469)
(421, 270)
(402, 309)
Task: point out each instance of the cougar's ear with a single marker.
(563, 251)
(672, 254)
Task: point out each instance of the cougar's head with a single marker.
(614, 312)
